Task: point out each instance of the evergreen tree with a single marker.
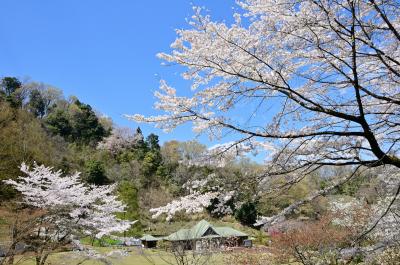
(58, 123)
(37, 103)
(10, 91)
(86, 126)
(96, 173)
(76, 122)
(128, 194)
(153, 142)
(247, 214)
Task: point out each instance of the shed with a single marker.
(149, 241)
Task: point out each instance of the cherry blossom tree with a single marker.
(314, 83)
(119, 140)
(68, 209)
(200, 195)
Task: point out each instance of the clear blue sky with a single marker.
(101, 51)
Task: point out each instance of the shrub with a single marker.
(314, 242)
(247, 214)
(390, 256)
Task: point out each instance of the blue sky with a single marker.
(101, 51)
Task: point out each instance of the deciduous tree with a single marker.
(313, 83)
(69, 208)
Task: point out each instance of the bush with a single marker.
(390, 256)
(247, 214)
(96, 173)
(313, 242)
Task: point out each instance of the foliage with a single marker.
(170, 153)
(390, 256)
(312, 242)
(86, 126)
(192, 203)
(221, 204)
(261, 238)
(351, 187)
(120, 140)
(325, 74)
(275, 202)
(58, 123)
(151, 162)
(10, 85)
(128, 194)
(247, 214)
(312, 86)
(44, 129)
(68, 208)
(76, 122)
(85, 207)
(42, 98)
(95, 173)
(23, 139)
(21, 224)
(152, 142)
(37, 104)
(10, 91)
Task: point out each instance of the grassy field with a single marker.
(135, 257)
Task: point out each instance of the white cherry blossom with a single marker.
(69, 204)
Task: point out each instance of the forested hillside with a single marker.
(298, 100)
(39, 125)
(166, 186)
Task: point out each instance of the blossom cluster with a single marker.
(71, 205)
(306, 77)
(201, 194)
(192, 203)
(120, 139)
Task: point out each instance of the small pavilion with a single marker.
(205, 236)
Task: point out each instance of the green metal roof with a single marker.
(225, 231)
(204, 229)
(201, 228)
(211, 236)
(149, 238)
(182, 234)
